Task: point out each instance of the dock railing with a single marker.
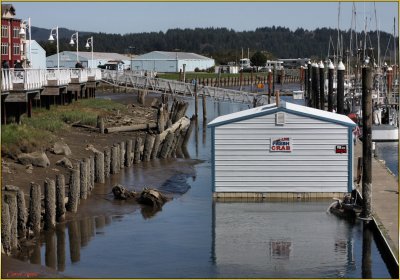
(6, 80)
(27, 79)
(79, 75)
(61, 76)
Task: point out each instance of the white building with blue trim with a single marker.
(282, 149)
(171, 62)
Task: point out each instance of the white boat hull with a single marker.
(385, 132)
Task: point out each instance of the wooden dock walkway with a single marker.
(385, 200)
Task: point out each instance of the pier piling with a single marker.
(83, 179)
(49, 204)
(74, 191)
(107, 162)
(60, 197)
(367, 140)
(340, 88)
(99, 167)
(331, 69)
(321, 86)
(10, 198)
(5, 229)
(35, 212)
(114, 160)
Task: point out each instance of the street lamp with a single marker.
(22, 32)
(89, 43)
(72, 42)
(51, 39)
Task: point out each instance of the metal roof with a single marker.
(171, 56)
(96, 55)
(284, 106)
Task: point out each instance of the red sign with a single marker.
(283, 144)
(341, 149)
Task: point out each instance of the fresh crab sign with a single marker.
(283, 144)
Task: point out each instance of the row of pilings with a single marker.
(61, 195)
(314, 85)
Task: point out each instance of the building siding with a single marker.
(244, 162)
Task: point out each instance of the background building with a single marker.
(11, 43)
(38, 59)
(171, 62)
(68, 59)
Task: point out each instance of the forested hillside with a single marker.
(220, 43)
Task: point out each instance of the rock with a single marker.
(6, 169)
(121, 193)
(11, 188)
(60, 148)
(152, 197)
(36, 159)
(29, 168)
(90, 147)
(64, 162)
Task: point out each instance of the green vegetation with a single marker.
(39, 130)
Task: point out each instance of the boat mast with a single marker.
(378, 37)
(394, 40)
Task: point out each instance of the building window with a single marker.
(4, 48)
(16, 50)
(4, 31)
(16, 32)
(280, 118)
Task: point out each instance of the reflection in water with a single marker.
(50, 254)
(149, 211)
(60, 232)
(74, 241)
(35, 257)
(366, 270)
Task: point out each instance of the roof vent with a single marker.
(280, 118)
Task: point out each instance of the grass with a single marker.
(40, 130)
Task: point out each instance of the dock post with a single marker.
(321, 86)
(74, 192)
(269, 85)
(35, 211)
(99, 167)
(5, 228)
(128, 153)
(314, 97)
(107, 162)
(340, 88)
(138, 146)
(49, 204)
(309, 71)
(204, 106)
(83, 179)
(114, 160)
(148, 147)
(10, 198)
(331, 69)
(160, 120)
(367, 140)
(60, 197)
(196, 105)
(157, 142)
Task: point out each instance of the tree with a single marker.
(258, 59)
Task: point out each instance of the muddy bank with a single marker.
(168, 174)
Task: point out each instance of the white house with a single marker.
(171, 62)
(68, 59)
(287, 149)
(38, 59)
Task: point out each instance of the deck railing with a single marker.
(80, 74)
(62, 76)
(6, 80)
(27, 79)
(94, 72)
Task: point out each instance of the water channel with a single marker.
(194, 236)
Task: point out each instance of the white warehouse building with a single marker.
(171, 62)
(38, 59)
(68, 59)
(282, 149)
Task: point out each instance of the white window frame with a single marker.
(16, 49)
(15, 32)
(4, 48)
(4, 31)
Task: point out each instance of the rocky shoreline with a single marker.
(81, 143)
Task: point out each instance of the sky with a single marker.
(137, 17)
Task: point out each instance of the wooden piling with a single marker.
(122, 155)
(321, 86)
(35, 211)
(156, 146)
(128, 153)
(74, 190)
(5, 228)
(340, 88)
(91, 173)
(137, 150)
(60, 197)
(114, 160)
(107, 162)
(21, 209)
(331, 69)
(49, 204)
(204, 106)
(309, 83)
(83, 179)
(160, 120)
(100, 124)
(196, 102)
(99, 167)
(118, 156)
(10, 198)
(367, 84)
(167, 145)
(148, 147)
(315, 89)
(189, 131)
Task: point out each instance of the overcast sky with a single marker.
(136, 17)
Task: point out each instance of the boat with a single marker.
(346, 209)
(298, 94)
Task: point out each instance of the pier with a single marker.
(385, 201)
